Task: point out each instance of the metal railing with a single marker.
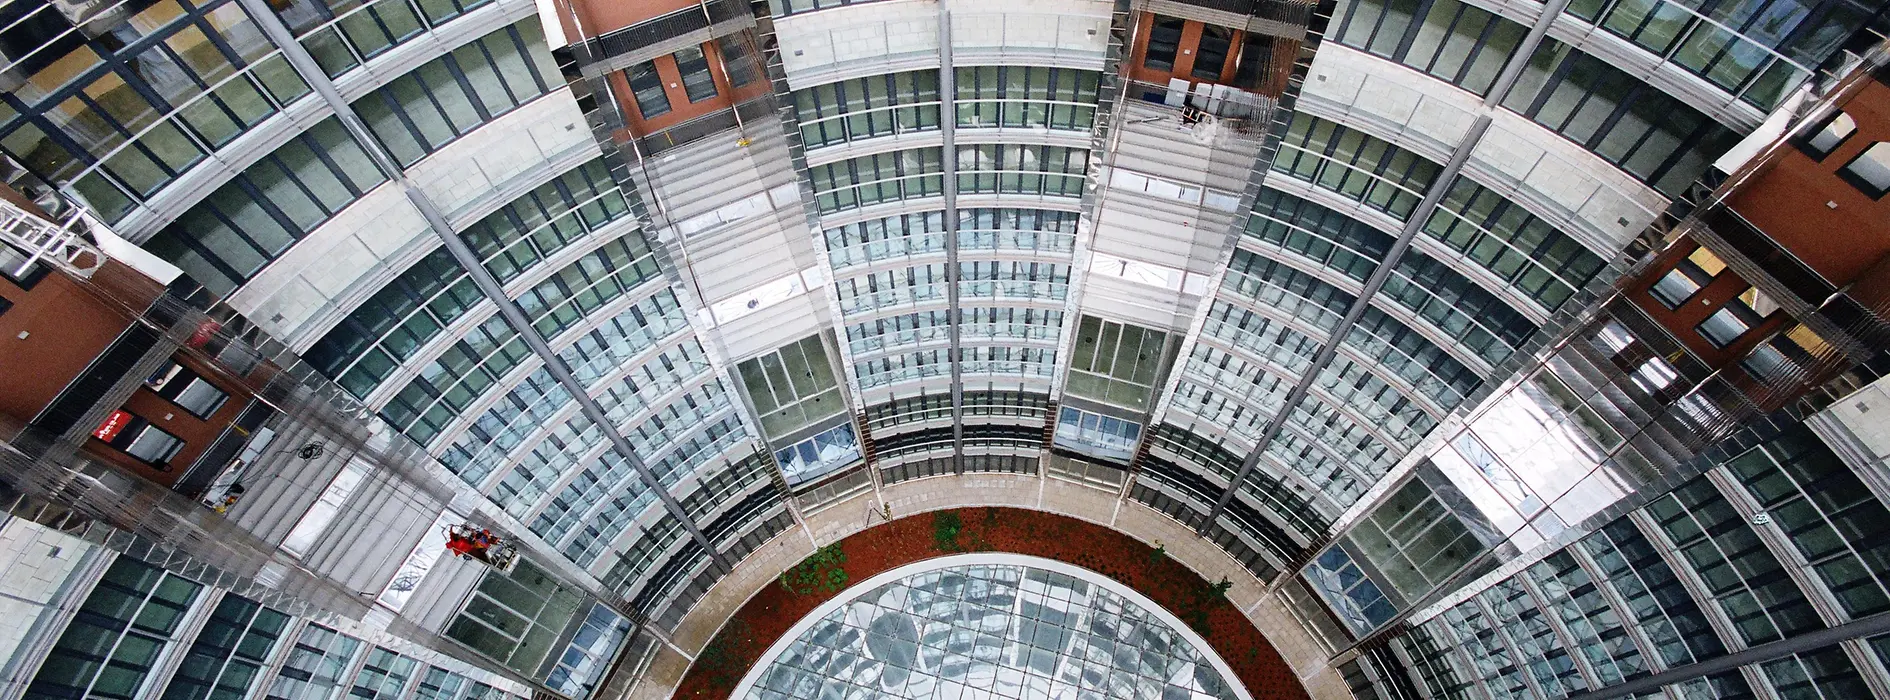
(36, 239)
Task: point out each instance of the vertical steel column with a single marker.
(948, 160)
(305, 66)
(1376, 281)
(1809, 641)
(1512, 70)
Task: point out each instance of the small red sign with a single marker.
(205, 331)
(113, 424)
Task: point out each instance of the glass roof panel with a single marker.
(991, 631)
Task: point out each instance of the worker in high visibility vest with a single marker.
(472, 544)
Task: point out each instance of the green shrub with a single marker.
(945, 529)
(820, 572)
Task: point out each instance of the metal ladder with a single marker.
(40, 240)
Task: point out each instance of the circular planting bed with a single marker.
(1199, 603)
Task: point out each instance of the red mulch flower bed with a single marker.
(769, 615)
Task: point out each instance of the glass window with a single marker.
(1788, 356)
(41, 154)
(448, 386)
(1570, 592)
(1479, 321)
(1312, 231)
(514, 617)
(1687, 277)
(868, 107)
(439, 684)
(1646, 132)
(1829, 136)
(1536, 259)
(698, 81)
(241, 226)
(1453, 41)
(1726, 325)
(117, 636)
(1031, 626)
(1524, 640)
(675, 438)
(1747, 48)
(55, 73)
(647, 86)
(430, 106)
(602, 528)
(1097, 435)
(190, 392)
(201, 398)
(1357, 166)
(230, 653)
(1823, 674)
(438, 11)
(738, 61)
(1011, 168)
(1653, 596)
(1826, 512)
(434, 292)
(1256, 60)
(1722, 328)
(590, 652)
(1727, 685)
(1026, 96)
(383, 677)
(1281, 288)
(1361, 605)
(158, 90)
(881, 177)
(1210, 56)
(146, 442)
(1743, 577)
(1164, 41)
(1117, 363)
(887, 238)
(1414, 539)
(793, 387)
(1674, 288)
(1397, 348)
(819, 455)
(1870, 170)
(314, 668)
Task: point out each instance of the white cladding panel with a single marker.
(1557, 180)
(346, 259)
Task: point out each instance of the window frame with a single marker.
(1739, 312)
(705, 57)
(1156, 23)
(176, 381)
(636, 94)
(1870, 189)
(118, 607)
(134, 429)
(1686, 271)
(163, 463)
(1807, 143)
(1227, 52)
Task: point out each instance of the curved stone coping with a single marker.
(854, 591)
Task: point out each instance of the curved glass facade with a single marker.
(1461, 328)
